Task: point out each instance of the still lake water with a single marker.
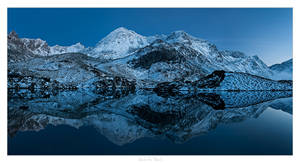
(82, 122)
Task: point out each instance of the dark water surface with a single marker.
(83, 122)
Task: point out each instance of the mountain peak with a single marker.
(121, 29)
(255, 57)
(78, 44)
(118, 44)
(120, 33)
(283, 65)
(283, 71)
(179, 33)
(13, 34)
(182, 36)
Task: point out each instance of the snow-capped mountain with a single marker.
(283, 71)
(205, 48)
(122, 42)
(182, 57)
(284, 66)
(118, 44)
(158, 62)
(39, 47)
(221, 60)
(16, 49)
(125, 54)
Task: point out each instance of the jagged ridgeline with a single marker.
(125, 61)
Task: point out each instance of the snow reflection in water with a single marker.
(124, 118)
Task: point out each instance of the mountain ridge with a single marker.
(125, 54)
(283, 70)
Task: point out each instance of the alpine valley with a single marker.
(127, 61)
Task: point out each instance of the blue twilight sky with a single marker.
(263, 32)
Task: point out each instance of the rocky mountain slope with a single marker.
(35, 47)
(65, 71)
(124, 54)
(179, 56)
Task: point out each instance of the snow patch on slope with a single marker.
(78, 47)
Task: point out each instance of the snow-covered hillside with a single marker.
(16, 50)
(78, 47)
(122, 42)
(284, 66)
(158, 62)
(164, 62)
(69, 70)
(146, 60)
(283, 71)
(197, 58)
(221, 60)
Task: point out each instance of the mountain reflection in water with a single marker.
(125, 118)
